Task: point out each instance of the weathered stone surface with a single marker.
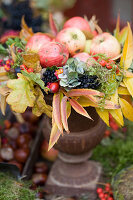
(123, 184)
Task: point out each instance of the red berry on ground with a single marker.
(54, 87)
(99, 190)
(101, 195)
(103, 63)
(30, 70)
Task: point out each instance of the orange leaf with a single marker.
(52, 25)
(57, 111)
(64, 113)
(26, 33)
(54, 136)
(117, 30)
(78, 108)
(107, 105)
(83, 92)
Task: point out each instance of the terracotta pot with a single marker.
(72, 173)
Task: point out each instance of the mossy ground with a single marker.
(11, 189)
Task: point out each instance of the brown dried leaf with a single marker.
(26, 33)
(3, 104)
(5, 90)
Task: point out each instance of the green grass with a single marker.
(115, 152)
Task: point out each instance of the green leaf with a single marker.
(3, 50)
(34, 77)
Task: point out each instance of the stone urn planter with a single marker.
(72, 173)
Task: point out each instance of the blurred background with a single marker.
(36, 12)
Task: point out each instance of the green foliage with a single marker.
(115, 153)
(34, 77)
(16, 41)
(10, 189)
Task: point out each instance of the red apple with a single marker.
(37, 41)
(78, 22)
(106, 44)
(85, 57)
(73, 38)
(53, 53)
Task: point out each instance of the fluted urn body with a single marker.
(72, 173)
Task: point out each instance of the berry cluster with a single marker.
(23, 67)
(106, 193)
(109, 65)
(6, 64)
(49, 76)
(88, 82)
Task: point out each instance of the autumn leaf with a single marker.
(129, 84)
(128, 74)
(123, 91)
(117, 30)
(52, 25)
(32, 60)
(85, 102)
(3, 72)
(3, 104)
(104, 115)
(123, 35)
(83, 92)
(68, 109)
(4, 90)
(118, 116)
(127, 54)
(127, 109)
(78, 108)
(26, 33)
(40, 105)
(22, 94)
(54, 136)
(64, 113)
(57, 111)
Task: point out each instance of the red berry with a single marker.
(101, 195)
(107, 189)
(99, 190)
(22, 67)
(107, 184)
(54, 87)
(106, 195)
(103, 198)
(30, 70)
(107, 132)
(110, 198)
(103, 63)
(108, 66)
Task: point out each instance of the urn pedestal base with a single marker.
(73, 180)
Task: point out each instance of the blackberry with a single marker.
(88, 82)
(49, 76)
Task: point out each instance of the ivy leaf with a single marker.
(34, 77)
(22, 94)
(40, 105)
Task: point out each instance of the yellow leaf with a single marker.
(104, 114)
(117, 115)
(122, 84)
(22, 94)
(40, 105)
(128, 74)
(3, 104)
(127, 54)
(4, 90)
(117, 30)
(54, 136)
(3, 72)
(26, 33)
(85, 102)
(123, 91)
(129, 84)
(127, 109)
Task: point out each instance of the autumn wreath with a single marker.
(81, 65)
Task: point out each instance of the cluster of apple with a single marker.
(72, 41)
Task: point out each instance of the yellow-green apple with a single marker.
(87, 46)
(78, 22)
(37, 41)
(106, 44)
(85, 57)
(73, 38)
(53, 53)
